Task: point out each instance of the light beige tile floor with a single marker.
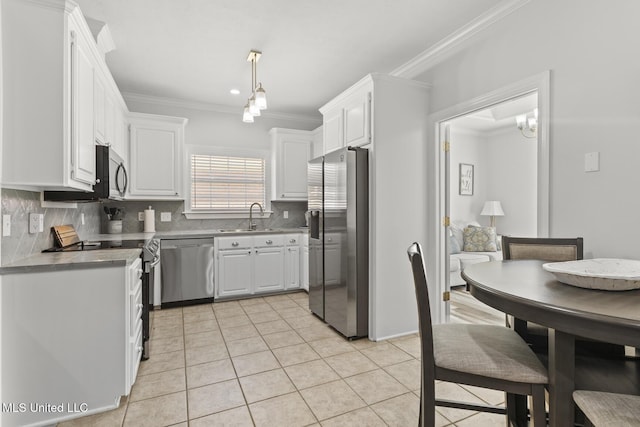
(269, 362)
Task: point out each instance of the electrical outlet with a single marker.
(140, 216)
(165, 216)
(6, 225)
(285, 214)
(36, 223)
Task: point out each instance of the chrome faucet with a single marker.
(252, 225)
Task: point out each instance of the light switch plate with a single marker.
(165, 216)
(285, 214)
(592, 162)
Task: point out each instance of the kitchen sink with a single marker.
(244, 230)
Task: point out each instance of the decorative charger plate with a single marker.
(600, 273)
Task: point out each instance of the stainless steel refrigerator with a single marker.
(338, 185)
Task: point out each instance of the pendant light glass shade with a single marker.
(247, 117)
(253, 108)
(261, 97)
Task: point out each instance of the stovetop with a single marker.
(102, 244)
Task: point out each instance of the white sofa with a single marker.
(459, 261)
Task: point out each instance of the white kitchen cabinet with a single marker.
(53, 64)
(99, 120)
(268, 269)
(290, 152)
(347, 118)
(155, 162)
(248, 265)
(70, 335)
(304, 262)
(292, 264)
(234, 272)
(318, 145)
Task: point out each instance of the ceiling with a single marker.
(196, 50)
(499, 116)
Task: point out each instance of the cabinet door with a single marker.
(109, 121)
(83, 153)
(292, 267)
(120, 139)
(357, 121)
(99, 110)
(234, 272)
(304, 269)
(332, 135)
(292, 168)
(156, 153)
(268, 264)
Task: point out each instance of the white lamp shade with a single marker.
(492, 208)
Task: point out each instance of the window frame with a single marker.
(228, 152)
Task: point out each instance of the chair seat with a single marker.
(489, 351)
(609, 409)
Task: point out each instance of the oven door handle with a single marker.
(156, 261)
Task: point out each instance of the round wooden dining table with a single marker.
(522, 288)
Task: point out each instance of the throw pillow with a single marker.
(454, 247)
(480, 239)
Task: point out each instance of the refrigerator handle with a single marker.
(314, 224)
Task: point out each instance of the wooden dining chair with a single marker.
(608, 409)
(544, 249)
(552, 250)
(486, 356)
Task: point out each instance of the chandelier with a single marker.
(258, 99)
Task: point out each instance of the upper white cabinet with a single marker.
(49, 60)
(290, 152)
(318, 145)
(347, 118)
(156, 145)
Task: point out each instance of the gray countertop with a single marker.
(51, 261)
(90, 259)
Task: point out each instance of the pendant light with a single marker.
(258, 99)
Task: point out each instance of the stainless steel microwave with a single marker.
(111, 180)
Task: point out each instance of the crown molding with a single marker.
(436, 53)
(218, 108)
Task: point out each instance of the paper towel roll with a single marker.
(149, 220)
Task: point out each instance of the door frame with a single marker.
(437, 183)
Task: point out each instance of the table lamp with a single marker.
(493, 209)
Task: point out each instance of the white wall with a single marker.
(590, 49)
(467, 147)
(511, 179)
(207, 127)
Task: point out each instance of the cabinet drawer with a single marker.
(233, 242)
(268, 240)
(292, 239)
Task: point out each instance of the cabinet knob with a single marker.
(329, 239)
(98, 181)
(139, 305)
(282, 195)
(292, 241)
(268, 242)
(234, 244)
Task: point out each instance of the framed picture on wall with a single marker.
(466, 179)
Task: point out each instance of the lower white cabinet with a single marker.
(304, 263)
(247, 265)
(70, 336)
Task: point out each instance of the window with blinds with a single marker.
(226, 184)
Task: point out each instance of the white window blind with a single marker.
(226, 184)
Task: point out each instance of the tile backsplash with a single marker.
(19, 204)
(130, 223)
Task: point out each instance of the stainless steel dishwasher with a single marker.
(187, 271)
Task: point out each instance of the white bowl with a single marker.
(600, 273)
